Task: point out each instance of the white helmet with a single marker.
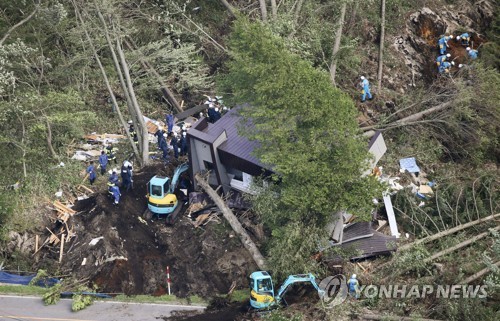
(175, 134)
(468, 48)
(362, 77)
(183, 127)
(224, 108)
(460, 66)
(130, 122)
(453, 63)
(160, 128)
(210, 105)
(184, 134)
(448, 55)
(216, 109)
(458, 37)
(353, 276)
(165, 135)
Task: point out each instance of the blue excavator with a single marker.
(162, 200)
(262, 294)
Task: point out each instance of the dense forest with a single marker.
(70, 68)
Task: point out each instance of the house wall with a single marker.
(201, 152)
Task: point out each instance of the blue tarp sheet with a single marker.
(25, 279)
(409, 164)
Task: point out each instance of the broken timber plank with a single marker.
(53, 237)
(390, 216)
(62, 248)
(85, 188)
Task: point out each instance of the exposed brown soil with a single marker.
(202, 261)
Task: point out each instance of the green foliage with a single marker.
(40, 275)
(53, 295)
(279, 315)
(82, 300)
(410, 260)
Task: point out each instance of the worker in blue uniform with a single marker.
(175, 145)
(164, 148)
(111, 152)
(445, 67)
(115, 193)
(126, 174)
(365, 91)
(91, 172)
(159, 134)
(443, 44)
(184, 146)
(442, 59)
(353, 285)
(472, 53)
(103, 162)
(464, 38)
(112, 180)
(170, 122)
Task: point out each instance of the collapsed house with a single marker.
(220, 149)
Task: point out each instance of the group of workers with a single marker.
(442, 61)
(215, 108)
(178, 144)
(108, 155)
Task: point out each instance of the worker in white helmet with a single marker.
(472, 53)
(365, 85)
(175, 145)
(353, 286)
(441, 59)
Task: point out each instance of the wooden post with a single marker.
(62, 247)
(36, 243)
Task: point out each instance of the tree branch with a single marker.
(20, 23)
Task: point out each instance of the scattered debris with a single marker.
(95, 241)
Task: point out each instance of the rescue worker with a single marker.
(366, 89)
(164, 148)
(126, 174)
(91, 172)
(103, 162)
(472, 53)
(446, 66)
(111, 152)
(174, 143)
(443, 44)
(115, 193)
(217, 115)
(211, 113)
(442, 59)
(112, 181)
(132, 132)
(170, 122)
(464, 38)
(353, 286)
(159, 134)
(183, 144)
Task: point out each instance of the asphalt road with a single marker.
(32, 309)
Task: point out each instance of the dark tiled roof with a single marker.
(237, 150)
(366, 242)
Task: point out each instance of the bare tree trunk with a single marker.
(479, 274)
(122, 81)
(352, 19)
(233, 221)
(448, 232)
(106, 80)
(140, 118)
(25, 172)
(167, 93)
(49, 138)
(336, 46)
(460, 245)
(263, 9)
(274, 9)
(229, 7)
(391, 318)
(381, 49)
(20, 23)
(297, 12)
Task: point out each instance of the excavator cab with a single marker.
(161, 197)
(261, 290)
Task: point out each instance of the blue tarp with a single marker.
(25, 279)
(409, 164)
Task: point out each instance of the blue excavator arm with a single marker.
(298, 278)
(175, 178)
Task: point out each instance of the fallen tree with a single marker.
(233, 221)
(479, 274)
(448, 232)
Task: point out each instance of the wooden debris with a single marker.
(85, 188)
(61, 251)
(381, 224)
(36, 243)
(53, 237)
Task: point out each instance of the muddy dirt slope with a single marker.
(132, 256)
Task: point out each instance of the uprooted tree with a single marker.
(307, 133)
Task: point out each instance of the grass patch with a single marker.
(240, 295)
(23, 289)
(194, 299)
